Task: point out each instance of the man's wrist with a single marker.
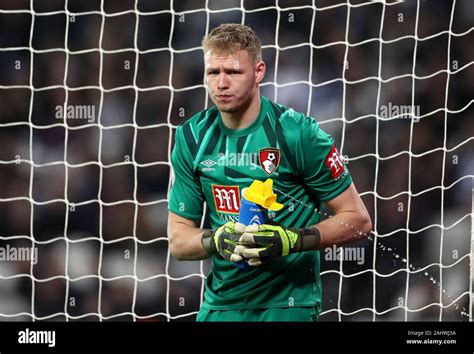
(310, 239)
(207, 242)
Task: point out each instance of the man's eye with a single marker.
(213, 73)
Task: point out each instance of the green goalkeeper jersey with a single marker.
(214, 164)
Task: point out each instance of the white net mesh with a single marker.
(92, 93)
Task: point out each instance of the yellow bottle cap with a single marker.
(261, 193)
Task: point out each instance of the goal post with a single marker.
(92, 94)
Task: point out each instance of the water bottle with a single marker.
(254, 206)
(251, 214)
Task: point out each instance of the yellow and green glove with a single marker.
(261, 243)
(223, 240)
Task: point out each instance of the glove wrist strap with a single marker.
(310, 239)
(207, 242)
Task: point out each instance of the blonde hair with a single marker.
(230, 37)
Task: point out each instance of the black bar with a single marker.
(156, 337)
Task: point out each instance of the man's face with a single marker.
(232, 79)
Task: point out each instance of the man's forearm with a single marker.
(343, 228)
(185, 243)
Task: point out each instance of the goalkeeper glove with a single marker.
(261, 243)
(223, 240)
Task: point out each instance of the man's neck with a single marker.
(243, 119)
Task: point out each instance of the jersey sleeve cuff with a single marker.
(185, 214)
(346, 182)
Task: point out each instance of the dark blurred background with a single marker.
(91, 193)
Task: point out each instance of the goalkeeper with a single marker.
(222, 150)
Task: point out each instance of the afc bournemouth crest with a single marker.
(269, 159)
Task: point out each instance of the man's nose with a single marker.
(223, 81)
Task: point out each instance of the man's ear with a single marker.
(260, 71)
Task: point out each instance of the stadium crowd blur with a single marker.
(117, 173)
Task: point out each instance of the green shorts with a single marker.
(285, 314)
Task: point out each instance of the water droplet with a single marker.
(373, 237)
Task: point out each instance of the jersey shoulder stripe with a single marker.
(269, 131)
(195, 128)
(286, 138)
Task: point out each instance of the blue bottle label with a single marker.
(250, 214)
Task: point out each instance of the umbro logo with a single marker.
(208, 163)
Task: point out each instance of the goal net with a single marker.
(92, 93)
